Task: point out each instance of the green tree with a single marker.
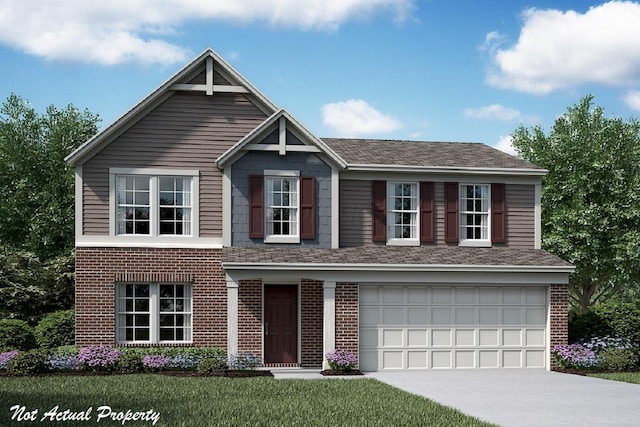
(590, 198)
(37, 187)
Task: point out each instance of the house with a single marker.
(208, 216)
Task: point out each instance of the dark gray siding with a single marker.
(255, 163)
(187, 131)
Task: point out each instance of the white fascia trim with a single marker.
(154, 171)
(148, 242)
(79, 201)
(226, 206)
(287, 266)
(335, 208)
(537, 233)
(446, 169)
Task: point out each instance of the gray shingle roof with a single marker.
(419, 153)
(394, 255)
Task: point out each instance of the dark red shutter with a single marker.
(256, 207)
(379, 211)
(427, 234)
(451, 212)
(497, 213)
(307, 207)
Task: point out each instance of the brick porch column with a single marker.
(232, 316)
(329, 320)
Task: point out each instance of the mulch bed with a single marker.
(336, 372)
(585, 372)
(227, 373)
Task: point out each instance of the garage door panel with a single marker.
(415, 327)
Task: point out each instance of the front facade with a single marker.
(207, 216)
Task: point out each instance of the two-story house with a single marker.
(207, 216)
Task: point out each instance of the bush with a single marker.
(212, 364)
(130, 363)
(243, 361)
(341, 360)
(62, 362)
(27, 363)
(101, 358)
(156, 362)
(612, 318)
(56, 329)
(16, 335)
(619, 359)
(6, 357)
(574, 356)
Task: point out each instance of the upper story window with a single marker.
(282, 210)
(475, 202)
(402, 217)
(148, 204)
(153, 312)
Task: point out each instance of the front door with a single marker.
(281, 324)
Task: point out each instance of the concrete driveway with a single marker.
(525, 397)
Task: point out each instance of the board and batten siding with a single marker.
(356, 214)
(186, 131)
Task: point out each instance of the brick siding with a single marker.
(559, 317)
(250, 316)
(312, 324)
(347, 313)
(98, 270)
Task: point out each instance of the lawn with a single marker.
(628, 377)
(192, 401)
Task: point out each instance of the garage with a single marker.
(403, 327)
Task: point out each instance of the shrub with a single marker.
(618, 359)
(574, 356)
(243, 361)
(27, 363)
(130, 363)
(155, 362)
(98, 357)
(612, 318)
(62, 362)
(212, 364)
(65, 350)
(6, 357)
(341, 360)
(185, 361)
(56, 329)
(16, 335)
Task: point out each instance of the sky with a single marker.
(432, 70)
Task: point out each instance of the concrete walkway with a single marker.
(525, 397)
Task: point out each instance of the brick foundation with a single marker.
(98, 270)
(347, 321)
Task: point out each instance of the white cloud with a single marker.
(632, 99)
(355, 117)
(119, 31)
(492, 112)
(559, 49)
(505, 144)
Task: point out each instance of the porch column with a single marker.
(329, 319)
(232, 316)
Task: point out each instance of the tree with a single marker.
(37, 187)
(590, 198)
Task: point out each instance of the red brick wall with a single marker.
(312, 324)
(250, 316)
(98, 269)
(559, 315)
(347, 322)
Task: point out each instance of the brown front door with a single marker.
(281, 324)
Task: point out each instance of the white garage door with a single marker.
(430, 327)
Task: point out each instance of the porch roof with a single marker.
(395, 258)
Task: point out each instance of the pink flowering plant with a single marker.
(156, 362)
(341, 360)
(98, 358)
(6, 357)
(575, 356)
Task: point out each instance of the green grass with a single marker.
(183, 401)
(628, 377)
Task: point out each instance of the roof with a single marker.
(372, 153)
(387, 257)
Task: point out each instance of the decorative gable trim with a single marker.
(207, 58)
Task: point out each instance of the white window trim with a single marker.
(154, 313)
(269, 173)
(474, 243)
(154, 225)
(397, 241)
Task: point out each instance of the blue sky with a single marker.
(437, 70)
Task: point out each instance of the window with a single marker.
(403, 212)
(154, 205)
(282, 209)
(153, 312)
(474, 213)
